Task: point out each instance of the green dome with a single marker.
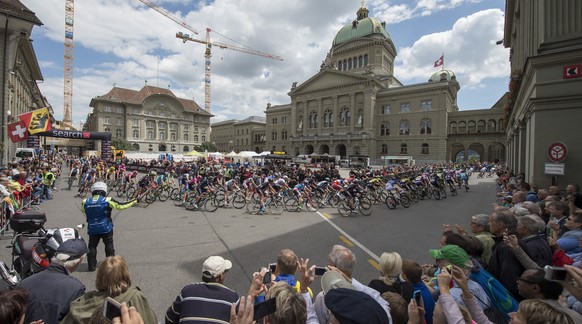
(443, 75)
(360, 28)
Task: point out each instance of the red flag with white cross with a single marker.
(17, 131)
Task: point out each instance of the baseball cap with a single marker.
(214, 266)
(74, 248)
(454, 254)
(332, 280)
(350, 306)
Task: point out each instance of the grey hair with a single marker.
(519, 211)
(343, 259)
(529, 223)
(481, 220)
(532, 207)
(63, 259)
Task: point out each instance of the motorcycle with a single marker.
(32, 245)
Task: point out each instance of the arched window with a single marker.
(403, 148)
(135, 134)
(185, 136)
(339, 65)
(385, 129)
(345, 65)
(172, 136)
(360, 61)
(453, 127)
(313, 119)
(196, 138)
(384, 148)
(150, 135)
(107, 121)
(350, 63)
(404, 127)
(426, 126)
(204, 139)
(424, 148)
(118, 133)
(491, 126)
(481, 126)
(472, 127)
(462, 128)
(162, 136)
(328, 118)
(345, 117)
(365, 59)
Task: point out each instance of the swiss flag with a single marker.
(440, 61)
(17, 131)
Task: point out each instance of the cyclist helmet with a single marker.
(134, 172)
(153, 173)
(99, 188)
(306, 181)
(327, 179)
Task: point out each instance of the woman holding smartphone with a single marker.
(113, 280)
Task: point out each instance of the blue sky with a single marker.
(123, 42)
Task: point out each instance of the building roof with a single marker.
(361, 27)
(443, 75)
(137, 97)
(15, 8)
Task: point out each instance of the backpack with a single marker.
(501, 299)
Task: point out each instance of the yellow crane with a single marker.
(207, 52)
(68, 63)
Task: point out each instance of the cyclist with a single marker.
(202, 188)
(110, 173)
(264, 190)
(229, 186)
(352, 190)
(464, 178)
(299, 189)
(120, 171)
(87, 180)
(73, 174)
(280, 184)
(145, 182)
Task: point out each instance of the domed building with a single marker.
(356, 107)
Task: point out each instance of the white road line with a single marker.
(358, 244)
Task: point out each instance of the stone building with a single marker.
(152, 119)
(545, 107)
(19, 71)
(355, 105)
(240, 135)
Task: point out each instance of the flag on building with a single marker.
(17, 132)
(37, 121)
(440, 61)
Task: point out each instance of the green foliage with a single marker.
(206, 146)
(121, 144)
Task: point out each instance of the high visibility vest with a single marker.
(46, 180)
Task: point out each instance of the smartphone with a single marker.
(555, 273)
(272, 267)
(111, 309)
(417, 296)
(320, 271)
(264, 308)
(267, 277)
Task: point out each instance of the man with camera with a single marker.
(207, 301)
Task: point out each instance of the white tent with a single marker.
(232, 154)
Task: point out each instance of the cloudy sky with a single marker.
(125, 43)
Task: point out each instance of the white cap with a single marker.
(214, 266)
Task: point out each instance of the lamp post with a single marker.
(6, 143)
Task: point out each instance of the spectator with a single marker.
(480, 228)
(344, 260)
(113, 280)
(532, 208)
(574, 197)
(398, 307)
(558, 212)
(531, 195)
(518, 198)
(206, 301)
(542, 195)
(539, 249)
(390, 268)
(52, 290)
(533, 285)
(555, 191)
(13, 304)
(412, 272)
(569, 242)
(352, 302)
(504, 265)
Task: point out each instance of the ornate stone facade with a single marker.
(152, 119)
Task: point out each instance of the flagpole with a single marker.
(443, 66)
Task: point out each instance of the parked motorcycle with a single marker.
(32, 245)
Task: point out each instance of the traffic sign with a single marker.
(557, 152)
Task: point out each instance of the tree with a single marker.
(121, 144)
(206, 146)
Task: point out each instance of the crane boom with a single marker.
(207, 52)
(169, 15)
(68, 63)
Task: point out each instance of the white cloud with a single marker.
(469, 49)
(120, 42)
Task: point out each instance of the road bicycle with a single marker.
(207, 201)
(237, 198)
(362, 205)
(274, 204)
(397, 199)
(292, 204)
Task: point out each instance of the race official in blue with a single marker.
(97, 210)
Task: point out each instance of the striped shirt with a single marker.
(202, 303)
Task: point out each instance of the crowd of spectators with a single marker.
(527, 230)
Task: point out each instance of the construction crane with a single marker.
(208, 51)
(68, 63)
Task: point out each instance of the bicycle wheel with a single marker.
(276, 206)
(381, 198)
(220, 199)
(211, 204)
(390, 202)
(443, 193)
(453, 191)
(404, 201)
(365, 206)
(189, 203)
(335, 200)
(150, 197)
(413, 196)
(83, 193)
(130, 192)
(175, 194)
(436, 193)
(311, 204)
(120, 191)
(253, 206)
(239, 201)
(291, 204)
(344, 209)
(428, 193)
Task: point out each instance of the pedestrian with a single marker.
(97, 210)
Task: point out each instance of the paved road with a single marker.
(165, 245)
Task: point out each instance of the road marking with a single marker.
(374, 264)
(346, 241)
(347, 236)
(327, 215)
